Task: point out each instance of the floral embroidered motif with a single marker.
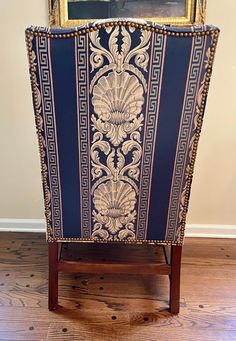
(117, 90)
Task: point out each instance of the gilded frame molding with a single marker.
(195, 14)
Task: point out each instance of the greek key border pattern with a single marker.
(182, 148)
(150, 131)
(83, 122)
(51, 149)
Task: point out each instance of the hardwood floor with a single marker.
(108, 307)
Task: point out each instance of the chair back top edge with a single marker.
(138, 23)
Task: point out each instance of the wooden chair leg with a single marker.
(52, 275)
(176, 252)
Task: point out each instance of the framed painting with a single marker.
(69, 13)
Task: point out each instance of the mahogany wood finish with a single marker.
(176, 252)
(132, 268)
(53, 258)
(60, 260)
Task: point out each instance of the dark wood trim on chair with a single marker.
(96, 267)
(171, 268)
(53, 259)
(176, 252)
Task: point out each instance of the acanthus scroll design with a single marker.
(117, 88)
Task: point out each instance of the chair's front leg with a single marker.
(52, 275)
(176, 252)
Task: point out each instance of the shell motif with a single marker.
(114, 200)
(117, 100)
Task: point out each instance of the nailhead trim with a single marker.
(123, 23)
(29, 36)
(39, 131)
(136, 241)
(215, 35)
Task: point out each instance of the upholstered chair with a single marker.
(119, 108)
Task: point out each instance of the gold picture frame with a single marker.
(195, 14)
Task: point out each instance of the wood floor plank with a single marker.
(21, 330)
(117, 307)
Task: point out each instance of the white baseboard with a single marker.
(210, 231)
(22, 225)
(192, 230)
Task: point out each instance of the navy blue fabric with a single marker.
(172, 96)
(64, 83)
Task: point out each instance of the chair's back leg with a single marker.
(176, 252)
(52, 275)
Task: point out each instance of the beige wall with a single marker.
(20, 188)
(214, 187)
